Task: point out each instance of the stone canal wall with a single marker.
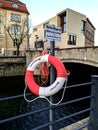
(12, 66)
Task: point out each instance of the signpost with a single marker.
(52, 34)
(52, 78)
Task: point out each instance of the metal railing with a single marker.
(12, 53)
(93, 109)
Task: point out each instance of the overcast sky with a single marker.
(42, 10)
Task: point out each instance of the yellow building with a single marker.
(77, 30)
(13, 13)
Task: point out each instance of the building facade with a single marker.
(13, 23)
(77, 30)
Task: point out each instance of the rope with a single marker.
(44, 71)
(45, 97)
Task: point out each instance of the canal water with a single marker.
(10, 86)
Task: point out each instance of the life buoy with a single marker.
(55, 86)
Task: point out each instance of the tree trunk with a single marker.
(17, 50)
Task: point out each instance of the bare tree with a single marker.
(18, 33)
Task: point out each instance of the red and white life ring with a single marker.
(55, 86)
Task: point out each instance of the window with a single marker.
(63, 23)
(71, 40)
(15, 5)
(39, 44)
(15, 42)
(15, 30)
(83, 26)
(15, 17)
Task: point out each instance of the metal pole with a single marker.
(52, 78)
(94, 104)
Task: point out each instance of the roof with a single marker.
(14, 5)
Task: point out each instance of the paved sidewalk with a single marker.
(76, 125)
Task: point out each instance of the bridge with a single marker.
(83, 55)
(11, 65)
